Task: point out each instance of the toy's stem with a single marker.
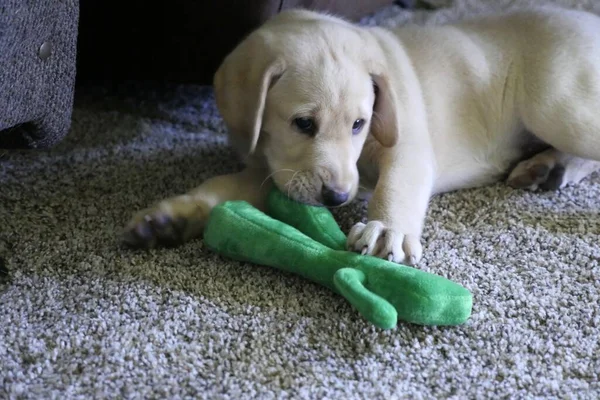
(235, 228)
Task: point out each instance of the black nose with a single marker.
(332, 197)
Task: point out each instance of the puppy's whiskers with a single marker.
(288, 184)
(273, 173)
(302, 190)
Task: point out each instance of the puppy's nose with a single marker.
(333, 197)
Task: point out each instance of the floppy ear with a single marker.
(384, 125)
(241, 84)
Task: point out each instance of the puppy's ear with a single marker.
(241, 84)
(384, 125)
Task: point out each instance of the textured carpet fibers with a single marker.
(85, 318)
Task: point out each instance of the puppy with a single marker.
(313, 102)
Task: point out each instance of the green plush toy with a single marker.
(307, 241)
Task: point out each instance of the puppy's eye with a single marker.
(357, 126)
(305, 125)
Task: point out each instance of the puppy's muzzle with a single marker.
(332, 198)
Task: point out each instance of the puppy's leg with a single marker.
(397, 209)
(551, 170)
(181, 218)
(561, 105)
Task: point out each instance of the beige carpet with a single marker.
(84, 318)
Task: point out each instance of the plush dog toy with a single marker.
(307, 241)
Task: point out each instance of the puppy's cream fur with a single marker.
(455, 106)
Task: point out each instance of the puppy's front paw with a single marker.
(169, 223)
(375, 239)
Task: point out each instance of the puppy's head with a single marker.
(302, 93)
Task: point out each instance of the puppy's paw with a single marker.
(170, 223)
(375, 239)
(539, 172)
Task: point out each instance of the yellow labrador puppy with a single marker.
(315, 103)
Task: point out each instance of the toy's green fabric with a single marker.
(305, 240)
(315, 222)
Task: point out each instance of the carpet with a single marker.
(84, 318)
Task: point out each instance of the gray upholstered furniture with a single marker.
(37, 71)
